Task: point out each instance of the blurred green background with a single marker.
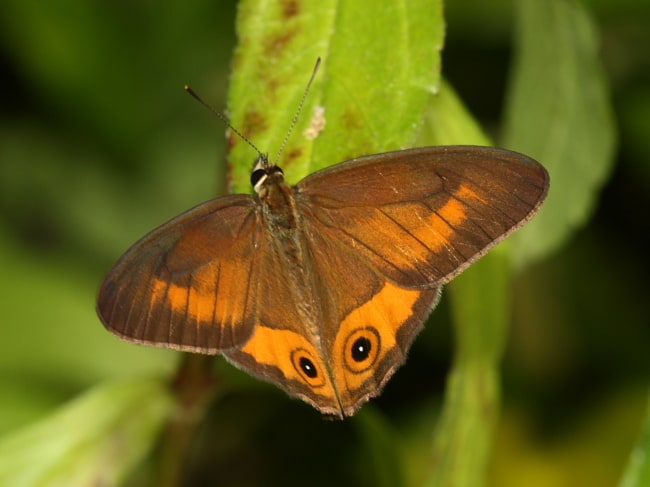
(99, 143)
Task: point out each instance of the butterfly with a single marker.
(321, 287)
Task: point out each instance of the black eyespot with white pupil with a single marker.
(362, 349)
(306, 366)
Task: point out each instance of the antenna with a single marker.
(222, 117)
(297, 115)
(225, 120)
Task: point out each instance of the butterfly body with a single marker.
(321, 287)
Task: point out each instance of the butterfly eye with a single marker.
(362, 349)
(257, 177)
(306, 367)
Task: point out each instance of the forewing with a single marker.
(421, 216)
(190, 284)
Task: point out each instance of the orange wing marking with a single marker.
(386, 312)
(275, 347)
(437, 228)
(197, 303)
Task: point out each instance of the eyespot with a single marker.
(362, 349)
(308, 367)
(305, 365)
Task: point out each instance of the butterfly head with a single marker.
(264, 174)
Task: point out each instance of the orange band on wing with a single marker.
(454, 210)
(464, 192)
(440, 226)
(386, 312)
(213, 296)
(283, 349)
(195, 303)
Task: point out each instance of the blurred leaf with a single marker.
(104, 120)
(106, 68)
(50, 330)
(94, 440)
(480, 298)
(449, 123)
(44, 177)
(364, 112)
(53, 343)
(637, 472)
(415, 432)
(591, 450)
(381, 446)
(464, 435)
(558, 111)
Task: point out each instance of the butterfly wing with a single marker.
(385, 232)
(214, 279)
(379, 235)
(191, 283)
(304, 327)
(421, 216)
(369, 322)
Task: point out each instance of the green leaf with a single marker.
(382, 450)
(379, 67)
(480, 303)
(559, 112)
(112, 69)
(60, 339)
(94, 440)
(449, 123)
(545, 107)
(480, 299)
(637, 472)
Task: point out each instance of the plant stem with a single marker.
(195, 387)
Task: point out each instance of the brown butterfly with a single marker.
(321, 287)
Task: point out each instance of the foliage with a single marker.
(98, 144)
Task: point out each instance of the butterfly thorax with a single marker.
(278, 203)
(282, 219)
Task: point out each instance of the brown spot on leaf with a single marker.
(350, 121)
(231, 139)
(272, 87)
(254, 123)
(278, 43)
(293, 154)
(290, 8)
